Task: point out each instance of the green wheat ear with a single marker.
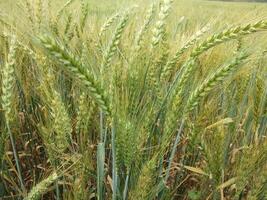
(204, 88)
(8, 79)
(107, 24)
(171, 63)
(112, 47)
(160, 27)
(73, 65)
(140, 34)
(38, 190)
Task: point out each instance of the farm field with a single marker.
(133, 100)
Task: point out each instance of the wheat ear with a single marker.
(171, 63)
(214, 40)
(112, 47)
(107, 24)
(85, 9)
(204, 88)
(38, 190)
(140, 34)
(74, 66)
(8, 81)
(160, 27)
(229, 34)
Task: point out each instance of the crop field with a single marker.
(133, 100)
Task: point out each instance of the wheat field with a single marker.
(133, 100)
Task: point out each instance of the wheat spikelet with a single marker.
(252, 166)
(212, 81)
(77, 30)
(38, 190)
(157, 64)
(57, 134)
(159, 29)
(73, 65)
(24, 47)
(242, 85)
(112, 47)
(60, 12)
(188, 67)
(49, 8)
